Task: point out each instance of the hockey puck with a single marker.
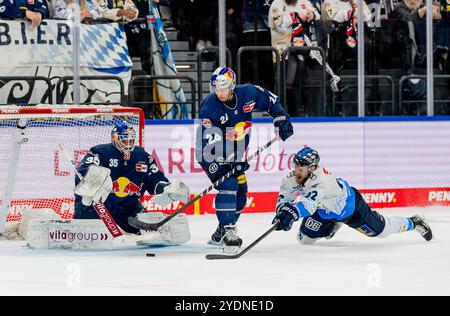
(150, 255)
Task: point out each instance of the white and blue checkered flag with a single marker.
(104, 46)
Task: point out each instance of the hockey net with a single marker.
(35, 175)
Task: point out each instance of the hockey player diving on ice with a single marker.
(118, 174)
(222, 139)
(326, 202)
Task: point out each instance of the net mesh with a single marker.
(36, 174)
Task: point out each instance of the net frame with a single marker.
(101, 115)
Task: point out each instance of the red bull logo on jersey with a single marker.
(123, 187)
(240, 131)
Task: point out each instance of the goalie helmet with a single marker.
(307, 157)
(124, 138)
(222, 78)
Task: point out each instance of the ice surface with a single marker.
(348, 264)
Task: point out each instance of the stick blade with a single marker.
(218, 256)
(134, 222)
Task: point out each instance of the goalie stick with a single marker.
(100, 208)
(105, 215)
(134, 222)
(240, 254)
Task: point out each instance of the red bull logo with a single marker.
(123, 187)
(240, 131)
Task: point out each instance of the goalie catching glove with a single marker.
(173, 192)
(95, 186)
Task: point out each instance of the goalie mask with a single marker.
(124, 138)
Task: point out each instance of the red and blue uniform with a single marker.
(223, 138)
(131, 178)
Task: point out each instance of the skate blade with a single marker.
(230, 250)
(214, 243)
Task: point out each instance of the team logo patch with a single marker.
(351, 42)
(366, 231)
(123, 188)
(140, 167)
(213, 168)
(239, 132)
(313, 225)
(249, 106)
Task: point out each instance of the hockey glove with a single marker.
(217, 170)
(283, 127)
(286, 214)
(173, 192)
(241, 166)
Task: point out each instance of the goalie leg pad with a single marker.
(69, 234)
(175, 232)
(35, 214)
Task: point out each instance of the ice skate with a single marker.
(422, 227)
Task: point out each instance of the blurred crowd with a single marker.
(395, 33)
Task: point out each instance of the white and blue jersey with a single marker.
(330, 197)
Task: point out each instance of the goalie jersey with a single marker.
(331, 197)
(130, 178)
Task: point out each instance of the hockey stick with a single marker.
(253, 244)
(134, 222)
(317, 56)
(99, 207)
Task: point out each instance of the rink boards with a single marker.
(399, 162)
(395, 162)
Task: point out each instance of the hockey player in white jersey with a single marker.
(326, 202)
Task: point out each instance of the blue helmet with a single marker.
(307, 157)
(123, 137)
(222, 78)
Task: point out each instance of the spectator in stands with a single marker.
(414, 12)
(234, 27)
(204, 21)
(182, 12)
(344, 15)
(61, 10)
(165, 12)
(117, 10)
(33, 10)
(139, 36)
(256, 32)
(294, 23)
